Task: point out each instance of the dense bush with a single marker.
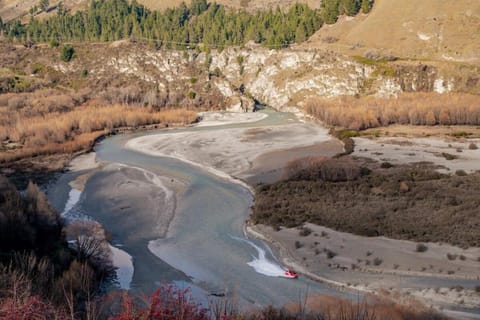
(40, 276)
(67, 52)
(373, 201)
(408, 109)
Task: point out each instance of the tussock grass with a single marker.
(76, 129)
(409, 108)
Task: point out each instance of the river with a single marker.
(205, 247)
(181, 222)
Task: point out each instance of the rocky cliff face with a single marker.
(281, 79)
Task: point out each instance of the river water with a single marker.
(206, 247)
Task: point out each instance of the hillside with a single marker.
(445, 30)
(10, 9)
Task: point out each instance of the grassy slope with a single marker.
(397, 26)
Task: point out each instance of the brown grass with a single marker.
(409, 108)
(74, 130)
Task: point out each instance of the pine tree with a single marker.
(330, 11)
(67, 53)
(367, 6)
(349, 7)
(44, 5)
(198, 6)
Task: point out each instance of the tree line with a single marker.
(184, 26)
(332, 9)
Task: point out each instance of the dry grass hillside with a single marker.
(10, 9)
(429, 29)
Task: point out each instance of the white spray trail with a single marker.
(262, 264)
(121, 260)
(73, 198)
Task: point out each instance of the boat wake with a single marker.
(73, 198)
(262, 264)
(121, 260)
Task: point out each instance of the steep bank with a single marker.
(235, 76)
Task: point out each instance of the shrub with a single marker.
(377, 261)
(472, 146)
(408, 108)
(461, 173)
(451, 256)
(305, 231)
(67, 53)
(298, 244)
(386, 165)
(449, 156)
(421, 247)
(54, 43)
(330, 254)
(168, 302)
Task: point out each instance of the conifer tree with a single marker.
(44, 4)
(367, 6)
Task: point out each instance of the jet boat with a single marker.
(290, 274)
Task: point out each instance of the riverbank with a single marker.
(42, 168)
(262, 157)
(382, 266)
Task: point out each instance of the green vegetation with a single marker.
(182, 27)
(331, 9)
(44, 5)
(67, 53)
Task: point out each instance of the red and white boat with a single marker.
(290, 274)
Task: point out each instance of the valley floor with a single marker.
(444, 276)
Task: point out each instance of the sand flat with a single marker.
(232, 150)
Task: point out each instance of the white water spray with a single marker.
(73, 198)
(262, 264)
(120, 259)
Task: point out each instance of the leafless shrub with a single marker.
(17, 102)
(329, 39)
(330, 254)
(377, 261)
(298, 244)
(421, 247)
(319, 168)
(451, 256)
(305, 231)
(408, 108)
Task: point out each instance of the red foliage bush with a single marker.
(167, 303)
(31, 308)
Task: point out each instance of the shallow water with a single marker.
(205, 247)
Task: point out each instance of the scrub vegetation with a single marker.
(365, 198)
(41, 275)
(28, 131)
(408, 108)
